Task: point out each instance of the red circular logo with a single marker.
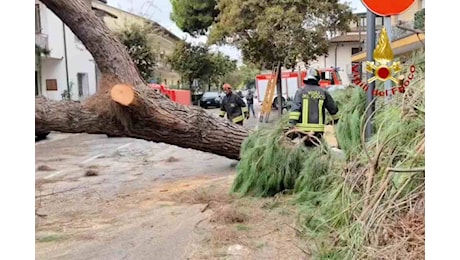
(383, 73)
(388, 7)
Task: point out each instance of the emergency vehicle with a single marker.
(291, 81)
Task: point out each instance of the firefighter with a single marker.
(308, 108)
(233, 106)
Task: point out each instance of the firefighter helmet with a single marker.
(312, 74)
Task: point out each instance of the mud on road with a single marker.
(123, 198)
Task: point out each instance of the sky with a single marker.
(159, 11)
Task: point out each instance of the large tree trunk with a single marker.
(125, 105)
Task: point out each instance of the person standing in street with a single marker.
(250, 101)
(233, 106)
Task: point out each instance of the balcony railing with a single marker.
(41, 40)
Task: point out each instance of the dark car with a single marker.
(210, 99)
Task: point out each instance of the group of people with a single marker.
(307, 113)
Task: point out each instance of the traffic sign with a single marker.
(387, 7)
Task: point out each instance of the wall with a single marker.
(343, 58)
(80, 61)
(409, 14)
(53, 69)
(52, 27)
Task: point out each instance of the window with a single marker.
(38, 24)
(51, 85)
(355, 50)
(210, 94)
(378, 21)
(326, 75)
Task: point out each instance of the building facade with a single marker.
(349, 48)
(163, 41)
(68, 69)
(403, 42)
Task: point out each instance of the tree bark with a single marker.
(146, 114)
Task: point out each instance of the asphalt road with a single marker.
(109, 198)
(98, 197)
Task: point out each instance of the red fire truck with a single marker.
(291, 81)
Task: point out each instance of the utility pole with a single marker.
(370, 38)
(280, 91)
(388, 83)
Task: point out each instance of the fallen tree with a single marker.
(369, 204)
(124, 104)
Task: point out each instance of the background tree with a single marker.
(194, 16)
(221, 65)
(233, 78)
(243, 77)
(190, 61)
(249, 73)
(268, 32)
(419, 18)
(135, 38)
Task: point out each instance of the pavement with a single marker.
(104, 198)
(110, 198)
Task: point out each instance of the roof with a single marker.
(153, 23)
(399, 46)
(104, 12)
(348, 38)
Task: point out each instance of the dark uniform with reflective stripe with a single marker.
(309, 107)
(235, 107)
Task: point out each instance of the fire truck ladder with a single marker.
(269, 95)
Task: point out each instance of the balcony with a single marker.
(41, 40)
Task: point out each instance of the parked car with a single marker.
(210, 99)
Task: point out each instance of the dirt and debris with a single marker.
(45, 168)
(137, 206)
(91, 172)
(172, 159)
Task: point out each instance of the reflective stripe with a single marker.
(311, 127)
(244, 109)
(305, 111)
(294, 115)
(222, 113)
(335, 117)
(238, 119)
(320, 110)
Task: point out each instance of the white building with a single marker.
(68, 66)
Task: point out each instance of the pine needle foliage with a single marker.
(368, 206)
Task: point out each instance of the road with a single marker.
(104, 198)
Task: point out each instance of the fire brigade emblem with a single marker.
(383, 55)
